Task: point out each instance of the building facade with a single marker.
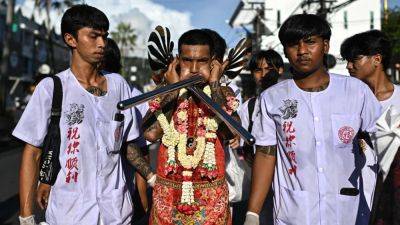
(347, 17)
(29, 49)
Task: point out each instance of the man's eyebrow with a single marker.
(191, 58)
(204, 58)
(99, 32)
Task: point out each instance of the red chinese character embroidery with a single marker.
(289, 140)
(292, 156)
(72, 163)
(72, 133)
(72, 176)
(73, 147)
(293, 170)
(288, 127)
(290, 137)
(72, 166)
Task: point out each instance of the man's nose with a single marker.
(302, 48)
(349, 65)
(101, 42)
(194, 67)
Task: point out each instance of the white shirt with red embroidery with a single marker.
(318, 172)
(90, 185)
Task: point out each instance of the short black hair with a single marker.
(112, 57)
(219, 44)
(196, 37)
(367, 44)
(80, 16)
(271, 57)
(300, 26)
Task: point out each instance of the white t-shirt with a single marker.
(91, 182)
(314, 133)
(393, 100)
(370, 170)
(245, 117)
(387, 154)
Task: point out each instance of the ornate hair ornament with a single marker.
(237, 58)
(160, 48)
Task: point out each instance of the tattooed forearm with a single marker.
(169, 98)
(136, 158)
(216, 93)
(266, 150)
(150, 125)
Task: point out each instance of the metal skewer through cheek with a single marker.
(188, 83)
(128, 103)
(228, 120)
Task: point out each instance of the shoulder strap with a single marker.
(250, 106)
(57, 98)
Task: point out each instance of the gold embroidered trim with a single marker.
(196, 185)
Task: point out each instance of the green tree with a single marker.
(125, 37)
(391, 26)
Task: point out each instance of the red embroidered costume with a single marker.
(190, 186)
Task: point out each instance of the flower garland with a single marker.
(176, 135)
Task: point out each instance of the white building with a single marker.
(349, 18)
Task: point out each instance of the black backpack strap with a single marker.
(250, 107)
(57, 100)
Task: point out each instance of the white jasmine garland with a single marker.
(204, 150)
(182, 115)
(187, 193)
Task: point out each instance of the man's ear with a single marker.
(326, 46)
(377, 59)
(280, 70)
(70, 40)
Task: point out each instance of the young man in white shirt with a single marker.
(90, 187)
(368, 55)
(305, 134)
(266, 67)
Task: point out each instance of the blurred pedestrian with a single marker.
(368, 56)
(266, 68)
(112, 58)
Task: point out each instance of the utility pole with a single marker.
(385, 10)
(258, 23)
(322, 11)
(5, 56)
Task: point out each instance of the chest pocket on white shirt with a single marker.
(344, 129)
(114, 135)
